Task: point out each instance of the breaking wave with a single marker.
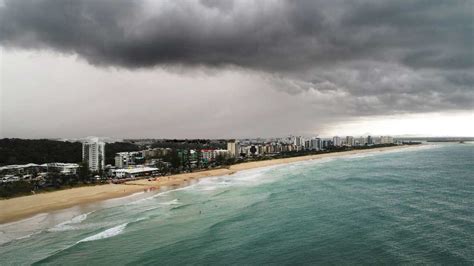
(172, 202)
(68, 225)
(114, 231)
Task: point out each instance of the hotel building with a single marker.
(93, 153)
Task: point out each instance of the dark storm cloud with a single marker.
(390, 56)
(261, 34)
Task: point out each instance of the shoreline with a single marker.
(19, 208)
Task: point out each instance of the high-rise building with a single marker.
(386, 140)
(93, 153)
(370, 141)
(316, 144)
(376, 140)
(360, 141)
(350, 141)
(307, 144)
(234, 148)
(297, 141)
(336, 141)
(326, 144)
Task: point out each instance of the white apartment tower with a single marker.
(336, 141)
(297, 141)
(234, 148)
(93, 153)
(386, 140)
(316, 144)
(350, 141)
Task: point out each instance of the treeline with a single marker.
(15, 189)
(190, 144)
(23, 151)
(112, 148)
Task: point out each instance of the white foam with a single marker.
(116, 230)
(167, 203)
(160, 194)
(68, 225)
(150, 209)
(144, 199)
(77, 219)
(172, 202)
(22, 229)
(132, 195)
(125, 197)
(141, 219)
(28, 236)
(36, 218)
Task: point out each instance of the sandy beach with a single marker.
(26, 206)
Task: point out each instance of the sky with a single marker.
(231, 69)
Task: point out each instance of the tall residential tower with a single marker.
(234, 148)
(93, 153)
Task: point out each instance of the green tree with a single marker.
(220, 159)
(55, 179)
(173, 158)
(84, 172)
(198, 156)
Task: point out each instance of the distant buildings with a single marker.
(274, 146)
(386, 140)
(370, 140)
(155, 152)
(163, 160)
(337, 141)
(350, 141)
(316, 144)
(233, 148)
(210, 155)
(298, 141)
(126, 159)
(32, 171)
(93, 153)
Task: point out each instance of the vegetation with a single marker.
(112, 148)
(53, 181)
(190, 144)
(173, 158)
(17, 188)
(23, 151)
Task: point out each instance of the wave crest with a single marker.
(67, 225)
(116, 230)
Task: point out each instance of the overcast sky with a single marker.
(217, 68)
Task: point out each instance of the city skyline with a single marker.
(233, 69)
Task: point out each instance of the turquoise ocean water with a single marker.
(402, 207)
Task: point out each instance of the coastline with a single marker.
(26, 206)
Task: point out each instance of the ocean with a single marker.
(410, 206)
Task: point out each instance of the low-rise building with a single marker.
(126, 159)
(62, 168)
(136, 172)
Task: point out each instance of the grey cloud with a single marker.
(384, 56)
(224, 5)
(270, 35)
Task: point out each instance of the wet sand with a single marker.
(26, 206)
